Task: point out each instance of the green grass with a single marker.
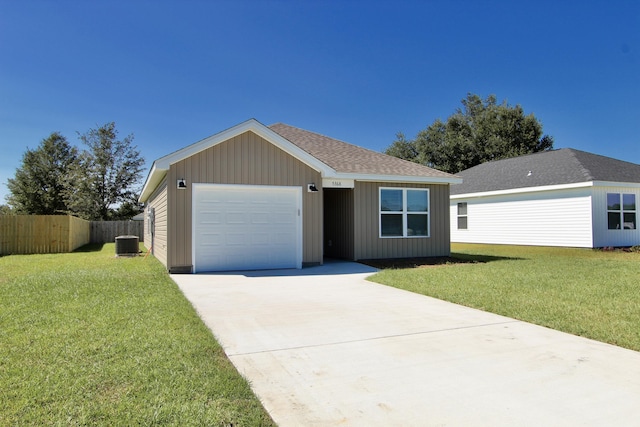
(586, 292)
(90, 339)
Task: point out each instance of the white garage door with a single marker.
(242, 227)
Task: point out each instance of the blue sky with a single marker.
(174, 72)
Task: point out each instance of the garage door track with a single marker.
(322, 346)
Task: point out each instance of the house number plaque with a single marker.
(337, 183)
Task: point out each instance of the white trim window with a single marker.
(462, 216)
(404, 212)
(621, 216)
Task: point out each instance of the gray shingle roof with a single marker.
(556, 167)
(347, 158)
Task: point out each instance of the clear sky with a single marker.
(175, 72)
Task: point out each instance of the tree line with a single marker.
(480, 131)
(99, 182)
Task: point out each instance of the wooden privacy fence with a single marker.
(42, 234)
(107, 231)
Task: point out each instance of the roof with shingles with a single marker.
(333, 158)
(554, 167)
(348, 158)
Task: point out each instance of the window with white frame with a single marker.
(462, 216)
(621, 211)
(404, 212)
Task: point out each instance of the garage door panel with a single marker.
(211, 216)
(260, 218)
(212, 239)
(282, 239)
(260, 239)
(237, 239)
(246, 227)
(284, 218)
(236, 217)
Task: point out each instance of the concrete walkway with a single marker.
(324, 347)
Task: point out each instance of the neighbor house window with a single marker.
(462, 216)
(404, 212)
(621, 211)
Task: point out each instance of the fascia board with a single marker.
(616, 184)
(399, 178)
(523, 190)
(154, 179)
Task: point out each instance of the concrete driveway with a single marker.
(324, 347)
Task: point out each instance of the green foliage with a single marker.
(479, 132)
(402, 148)
(91, 339)
(106, 175)
(100, 183)
(584, 292)
(125, 211)
(6, 210)
(39, 183)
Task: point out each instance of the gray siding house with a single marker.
(562, 197)
(264, 197)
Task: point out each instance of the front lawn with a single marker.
(90, 339)
(585, 292)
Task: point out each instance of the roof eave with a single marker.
(400, 178)
(154, 179)
(523, 190)
(616, 184)
(547, 188)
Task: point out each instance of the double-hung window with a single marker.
(462, 216)
(621, 211)
(404, 212)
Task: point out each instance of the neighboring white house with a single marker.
(561, 197)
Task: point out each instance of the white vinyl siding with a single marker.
(550, 218)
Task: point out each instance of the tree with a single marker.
(402, 148)
(38, 186)
(106, 176)
(126, 211)
(479, 132)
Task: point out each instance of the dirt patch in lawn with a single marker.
(414, 262)
(429, 262)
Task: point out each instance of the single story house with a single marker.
(562, 197)
(263, 197)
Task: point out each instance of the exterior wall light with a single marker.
(182, 184)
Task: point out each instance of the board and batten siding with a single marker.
(246, 159)
(369, 245)
(602, 236)
(545, 218)
(157, 201)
